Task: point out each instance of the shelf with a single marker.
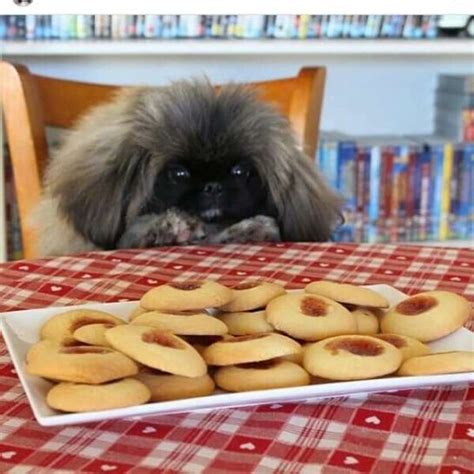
(217, 47)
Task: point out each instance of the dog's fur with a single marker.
(100, 182)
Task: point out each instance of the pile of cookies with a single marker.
(186, 338)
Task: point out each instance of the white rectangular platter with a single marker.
(20, 330)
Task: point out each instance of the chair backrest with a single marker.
(31, 102)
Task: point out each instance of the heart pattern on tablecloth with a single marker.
(7, 454)
(108, 467)
(148, 430)
(373, 420)
(470, 432)
(247, 446)
(350, 461)
(55, 288)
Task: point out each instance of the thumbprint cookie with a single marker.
(159, 350)
(185, 296)
(427, 316)
(252, 295)
(351, 358)
(309, 317)
(261, 376)
(346, 293)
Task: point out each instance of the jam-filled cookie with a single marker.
(346, 293)
(184, 323)
(159, 350)
(80, 364)
(351, 358)
(185, 296)
(261, 376)
(165, 386)
(427, 316)
(439, 363)
(244, 323)
(309, 317)
(73, 397)
(252, 295)
(367, 320)
(409, 346)
(62, 326)
(252, 348)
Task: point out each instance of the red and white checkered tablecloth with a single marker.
(416, 431)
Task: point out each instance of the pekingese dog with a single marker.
(182, 164)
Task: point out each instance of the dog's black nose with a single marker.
(213, 189)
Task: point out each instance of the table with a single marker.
(414, 431)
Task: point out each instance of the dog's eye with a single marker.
(178, 174)
(240, 170)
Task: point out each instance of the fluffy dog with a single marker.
(178, 165)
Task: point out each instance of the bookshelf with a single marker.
(219, 47)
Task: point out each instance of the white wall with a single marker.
(364, 95)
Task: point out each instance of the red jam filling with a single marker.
(311, 306)
(416, 305)
(186, 285)
(161, 339)
(355, 345)
(396, 341)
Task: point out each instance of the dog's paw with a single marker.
(181, 228)
(169, 228)
(254, 229)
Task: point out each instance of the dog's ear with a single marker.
(307, 210)
(310, 210)
(98, 206)
(100, 173)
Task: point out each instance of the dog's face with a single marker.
(222, 191)
(210, 155)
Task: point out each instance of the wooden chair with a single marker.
(30, 102)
